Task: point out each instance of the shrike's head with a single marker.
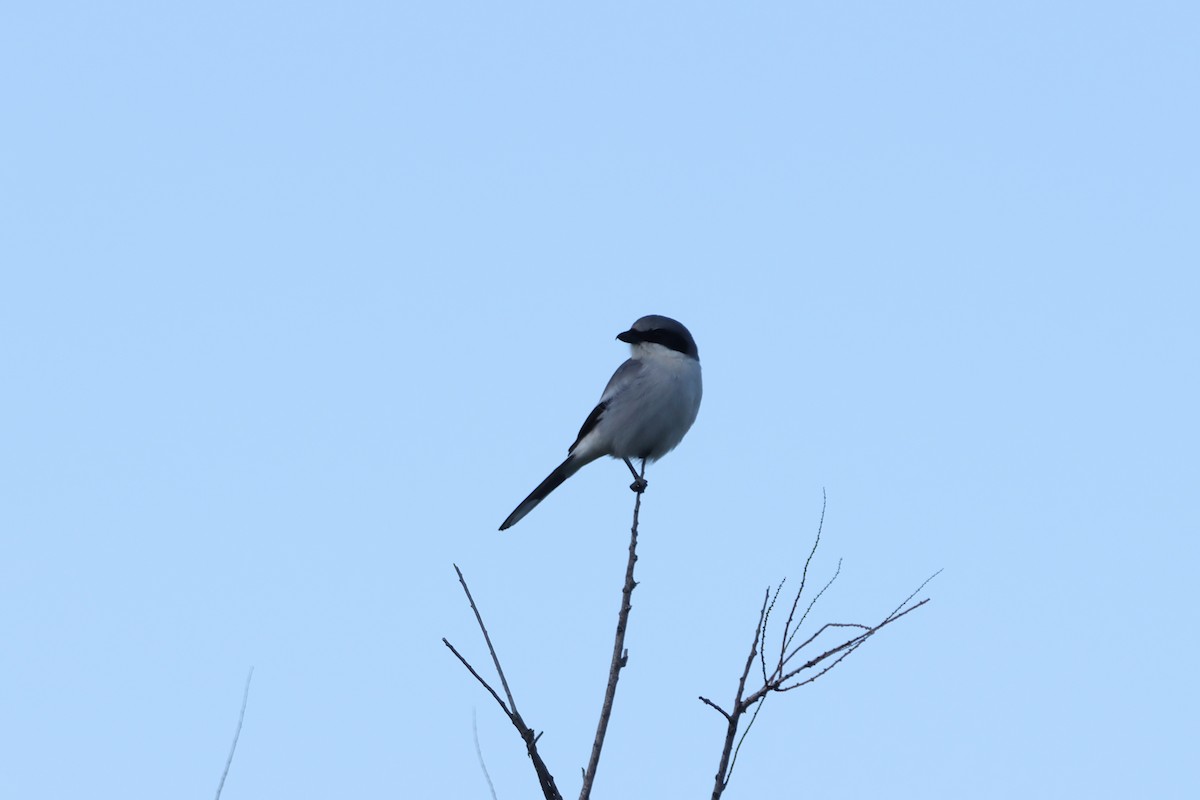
(652, 332)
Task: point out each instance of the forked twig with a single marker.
(545, 779)
(782, 677)
(732, 719)
(495, 659)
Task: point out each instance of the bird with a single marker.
(647, 407)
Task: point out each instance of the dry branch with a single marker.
(785, 674)
(620, 655)
(545, 779)
(236, 734)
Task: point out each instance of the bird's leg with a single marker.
(639, 481)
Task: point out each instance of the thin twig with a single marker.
(804, 575)
(762, 653)
(851, 645)
(762, 636)
(237, 733)
(733, 761)
(479, 753)
(478, 677)
(835, 662)
(545, 779)
(620, 656)
(739, 707)
(711, 704)
(778, 679)
(813, 602)
(817, 635)
(915, 592)
(495, 659)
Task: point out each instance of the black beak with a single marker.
(630, 336)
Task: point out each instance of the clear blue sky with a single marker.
(298, 300)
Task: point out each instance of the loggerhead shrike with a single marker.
(649, 404)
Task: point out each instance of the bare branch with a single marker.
(821, 630)
(762, 654)
(758, 706)
(804, 575)
(835, 662)
(849, 645)
(478, 677)
(813, 602)
(620, 655)
(545, 779)
(739, 706)
(479, 753)
(816, 540)
(710, 703)
(495, 659)
(237, 733)
(782, 679)
(908, 599)
(759, 631)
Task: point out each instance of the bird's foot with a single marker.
(639, 482)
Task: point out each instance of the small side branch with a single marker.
(479, 754)
(725, 768)
(620, 655)
(545, 779)
(237, 733)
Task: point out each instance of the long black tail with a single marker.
(552, 482)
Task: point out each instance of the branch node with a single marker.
(545, 779)
(781, 679)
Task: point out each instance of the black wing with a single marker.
(625, 374)
(588, 424)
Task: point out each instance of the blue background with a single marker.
(300, 299)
